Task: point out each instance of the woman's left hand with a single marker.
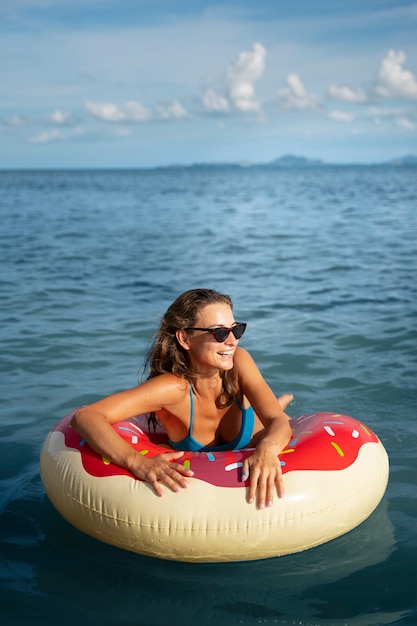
(264, 470)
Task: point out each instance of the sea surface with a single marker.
(321, 263)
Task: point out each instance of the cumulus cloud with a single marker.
(171, 111)
(241, 75)
(239, 93)
(236, 93)
(295, 96)
(57, 134)
(107, 112)
(135, 112)
(347, 94)
(393, 81)
(45, 136)
(57, 118)
(60, 117)
(214, 102)
(405, 123)
(18, 120)
(341, 116)
(402, 117)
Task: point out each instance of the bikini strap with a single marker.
(238, 403)
(191, 410)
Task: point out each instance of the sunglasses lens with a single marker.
(238, 330)
(221, 334)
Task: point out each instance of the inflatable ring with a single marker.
(335, 474)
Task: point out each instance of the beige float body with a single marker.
(335, 474)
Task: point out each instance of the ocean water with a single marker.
(321, 263)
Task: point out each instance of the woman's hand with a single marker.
(263, 468)
(160, 470)
(95, 427)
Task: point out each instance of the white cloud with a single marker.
(57, 134)
(60, 117)
(347, 94)
(57, 118)
(108, 112)
(393, 80)
(18, 120)
(45, 136)
(135, 112)
(239, 92)
(240, 76)
(171, 111)
(214, 102)
(104, 111)
(295, 96)
(405, 123)
(341, 116)
(401, 117)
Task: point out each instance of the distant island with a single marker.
(409, 160)
(289, 161)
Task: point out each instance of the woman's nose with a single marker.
(231, 339)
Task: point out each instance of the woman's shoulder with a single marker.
(168, 382)
(244, 365)
(242, 357)
(162, 391)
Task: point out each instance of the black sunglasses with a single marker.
(220, 334)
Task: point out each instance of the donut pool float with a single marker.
(335, 474)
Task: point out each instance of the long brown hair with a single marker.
(167, 356)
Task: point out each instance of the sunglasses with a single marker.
(220, 334)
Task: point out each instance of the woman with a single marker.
(207, 393)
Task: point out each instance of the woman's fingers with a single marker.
(163, 470)
(265, 483)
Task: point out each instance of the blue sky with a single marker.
(143, 83)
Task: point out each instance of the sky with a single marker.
(149, 83)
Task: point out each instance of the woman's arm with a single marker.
(94, 421)
(263, 465)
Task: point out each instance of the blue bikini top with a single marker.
(241, 441)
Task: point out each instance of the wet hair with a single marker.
(166, 355)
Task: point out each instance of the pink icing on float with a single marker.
(335, 473)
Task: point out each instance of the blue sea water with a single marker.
(321, 263)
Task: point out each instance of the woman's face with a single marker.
(206, 354)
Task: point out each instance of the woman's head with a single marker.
(184, 310)
(166, 354)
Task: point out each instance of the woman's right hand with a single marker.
(95, 427)
(160, 470)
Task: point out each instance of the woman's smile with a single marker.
(227, 353)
